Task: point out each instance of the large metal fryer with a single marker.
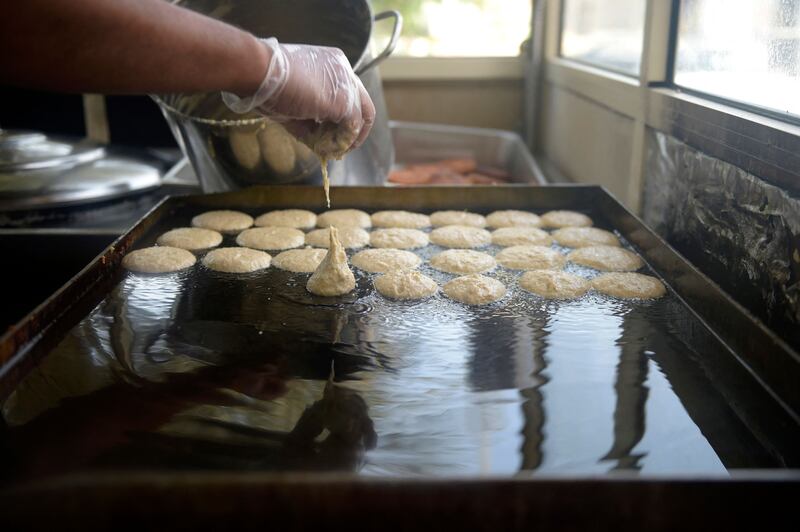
(752, 374)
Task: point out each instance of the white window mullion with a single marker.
(552, 29)
(654, 68)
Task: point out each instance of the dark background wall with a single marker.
(133, 120)
(740, 230)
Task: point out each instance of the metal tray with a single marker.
(421, 143)
(723, 371)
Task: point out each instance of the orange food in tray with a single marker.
(449, 172)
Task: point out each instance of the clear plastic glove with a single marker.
(308, 86)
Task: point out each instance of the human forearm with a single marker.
(124, 46)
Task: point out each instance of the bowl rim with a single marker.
(159, 99)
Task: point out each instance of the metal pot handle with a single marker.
(398, 27)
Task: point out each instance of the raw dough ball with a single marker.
(554, 285)
(398, 238)
(441, 218)
(409, 220)
(385, 260)
(332, 277)
(296, 218)
(531, 258)
(405, 285)
(299, 260)
(565, 219)
(463, 261)
(277, 147)
(474, 289)
(461, 236)
(581, 237)
(606, 258)
(271, 238)
(519, 236)
(331, 140)
(351, 237)
(191, 238)
(629, 285)
(344, 217)
(304, 153)
(223, 221)
(236, 260)
(513, 219)
(245, 148)
(159, 259)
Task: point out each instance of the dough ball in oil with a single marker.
(398, 238)
(442, 218)
(512, 218)
(230, 222)
(629, 285)
(463, 261)
(553, 284)
(190, 238)
(558, 219)
(236, 260)
(299, 260)
(474, 289)
(460, 236)
(351, 237)
(158, 259)
(405, 285)
(385, 260)
(296, 218)
(405, 219)
(343, 218)
(606, 258)
(519, 236)
(581, 237)
(271, 238)
(531, 258)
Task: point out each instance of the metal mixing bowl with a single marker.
(230, 151)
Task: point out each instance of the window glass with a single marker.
(742, 50)
(605, 33)
(457, 28)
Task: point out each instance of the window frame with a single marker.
(753, 108)
(561, 25)
(747, 136)
(403, 68)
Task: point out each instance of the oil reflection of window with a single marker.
(742, 50)
(604, 33)
(457, 28)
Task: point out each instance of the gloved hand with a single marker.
(309, 85)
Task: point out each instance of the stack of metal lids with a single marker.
(41, 171)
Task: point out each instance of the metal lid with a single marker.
(115, 173)
(23, 151)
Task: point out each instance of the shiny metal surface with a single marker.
(201, 371)
(397, 28)
(115, 173)
(229, 151)
(27, 152)
(17, 137)
(421, 143)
